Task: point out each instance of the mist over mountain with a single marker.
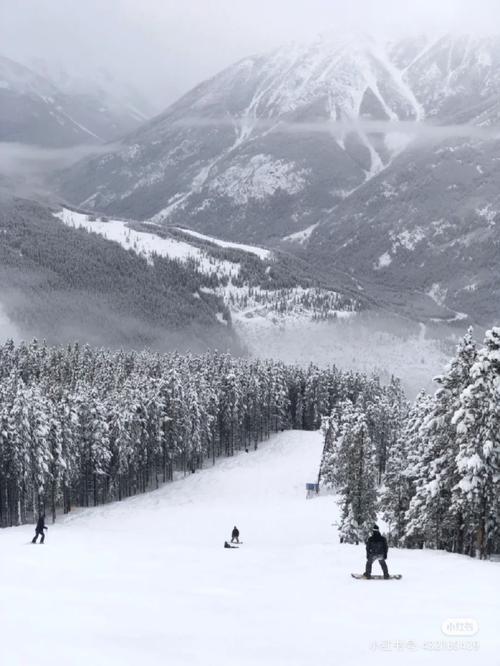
(379, 158)
(367, 167)
(34, 110)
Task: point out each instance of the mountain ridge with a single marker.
(318, 142)
(35, 111)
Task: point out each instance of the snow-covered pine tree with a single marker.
(351, 469)
(477, 419)
(406, 470)
(441, 522)
(85, 426)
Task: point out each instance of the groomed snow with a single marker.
(147, 581)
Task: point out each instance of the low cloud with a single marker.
(411, 129)
(20, 159)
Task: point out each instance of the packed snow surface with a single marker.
(147, 581)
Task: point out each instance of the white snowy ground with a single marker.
(148, 581)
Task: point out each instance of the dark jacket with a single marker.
(376, 546)
(235, 533)
(40, 525)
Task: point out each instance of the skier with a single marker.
(235, 535)
(376, 549)
(39, 529)
(227, 545)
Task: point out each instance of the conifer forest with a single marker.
(434, 474)
(81, 426)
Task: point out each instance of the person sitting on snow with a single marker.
(227, 545)
(376, 549)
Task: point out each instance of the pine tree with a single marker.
(477, 420)
(351, 468)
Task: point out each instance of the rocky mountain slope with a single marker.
(273, 143)
(247, 153)
(424, 235)
(379, 161)
(34, 110)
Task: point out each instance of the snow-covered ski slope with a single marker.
(148, 581)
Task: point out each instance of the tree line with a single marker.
(435, 474)
(81, 426)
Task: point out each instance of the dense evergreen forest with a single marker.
(61, 283)
(436, 476)
(81, 426)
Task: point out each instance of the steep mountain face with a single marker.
(455, 79)
(425, 232)
(247, 153)
(273, 144)
(424, 235)
(377, 161)
(33, 110)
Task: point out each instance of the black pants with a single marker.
(373, 558)
(37, 534)
(235, 539)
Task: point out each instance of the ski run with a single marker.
(147, 581)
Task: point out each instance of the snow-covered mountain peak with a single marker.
(271, 145)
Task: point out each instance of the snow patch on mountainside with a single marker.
(301, 236)
(252, 249)
(383, 261)
(438, 294)
(488, 213)
(408, 239)
(278, 307)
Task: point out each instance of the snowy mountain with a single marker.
(274, 302)
(272, 144)
(34, 110)
(257, 286)
(380, 159)
(424, 235)
(60, 284)
(222, 157)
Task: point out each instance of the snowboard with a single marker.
(377, 577)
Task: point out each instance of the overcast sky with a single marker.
(164, 47)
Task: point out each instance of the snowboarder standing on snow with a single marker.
(376, 549)
(39, 529)
(235, 535)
